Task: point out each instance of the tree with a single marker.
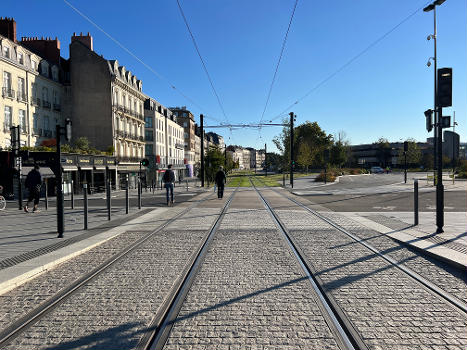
(309, 133)
(213, 160)
(339, 152)
(414, 154)
(274, 161)
(383, 151)
(304, 156)
(427, 160)
(82, 144)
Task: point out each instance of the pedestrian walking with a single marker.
(220, 181)
(169, 179)
(33, 183)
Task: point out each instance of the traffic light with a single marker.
(445, 87)
(406, 146)
(145, 162)
(429, 122)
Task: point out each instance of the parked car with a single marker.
(376, 170)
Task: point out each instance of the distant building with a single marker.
(186, 119)
(451, 144)
(463, 150)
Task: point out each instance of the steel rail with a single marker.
(340, 325)
(166, 318)
(47, 306)
(459, 304)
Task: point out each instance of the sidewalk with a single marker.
(449, 246)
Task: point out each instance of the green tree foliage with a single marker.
(311, 134)
(427, 160)
(414, 154)
(82, 144)
(384, 151)
(213, 160)
(339, 152)
(304, 156)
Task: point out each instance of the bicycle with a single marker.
(2, 199)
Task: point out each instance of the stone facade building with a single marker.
(32, 86)
(186, 119)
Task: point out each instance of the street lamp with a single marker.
(437, 129)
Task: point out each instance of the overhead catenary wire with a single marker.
(349, 62)
(202, 60)
(152, 70)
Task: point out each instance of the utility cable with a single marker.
(202, 61)
(349, 62)
(152, 70)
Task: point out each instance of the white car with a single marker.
(376, 170)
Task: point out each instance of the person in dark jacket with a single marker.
(33, 183)
(220, 181)
(169, 179)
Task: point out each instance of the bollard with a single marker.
(127, 196)
(152, 186)
(85, 204)
(72, 196)
(109, 204)
(283, 180)
(415, 202)
(46, 194)
(139, 194)
(187, 185)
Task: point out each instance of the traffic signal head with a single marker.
(406, 146)
(429, 123)
(445, 87)
(145, 162)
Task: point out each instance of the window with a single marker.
(116, 96)
(186, 135)
(45, 94)
(34, 65)
(35, 123)
(21, 90)
(6, 51)
(8, 121)
(148, 149)
(185, 124)
(20, 58)
(148, 122)
(45, 69)
(7, 80)
(46, 125)
(55, 73)
(22, 120)
(148, 135)
(34, 90)
(56, 99)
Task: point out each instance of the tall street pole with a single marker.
(435, 116)
(291, 148)
(201, 117)
(265, 164)
(60, 205)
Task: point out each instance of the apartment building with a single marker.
(32, 86)
(164, 140)
(186, 119)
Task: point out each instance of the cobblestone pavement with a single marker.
(445, 276)
(389, 309)
(250, 292)
(113, 310)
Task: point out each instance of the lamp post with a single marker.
(61, 131)
(437, 129)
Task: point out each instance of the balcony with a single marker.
(35, 101)
(8, 92)
(21, 97)
(57, 107)
(46, 104)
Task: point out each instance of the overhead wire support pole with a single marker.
(201, 117)
(292, 117)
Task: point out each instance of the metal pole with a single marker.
(60, 206)
(20, 185)
(325, 174)
(201, 117)
(225, 157)
(291, 148)
(439, 183)
(435, 101)
(265, 164)
(405, 167)
(72, 196)
(415, 202)
(187, 185)
(46, 194)
(140, 189)
(85, 194)
(127, 195)
(109, 203)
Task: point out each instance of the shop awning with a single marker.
(85, 168)
(69, 167)
(45, 171)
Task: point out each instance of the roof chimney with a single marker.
(85, 39)
(46, 48)
(8, 28)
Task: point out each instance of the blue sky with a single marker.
(383, 93)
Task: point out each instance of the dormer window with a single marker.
(34, 65)
(6, 51)
(44, 69)
(55, 73)
(20, 58)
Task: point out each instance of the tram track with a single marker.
(23, 323)
(425, 284)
